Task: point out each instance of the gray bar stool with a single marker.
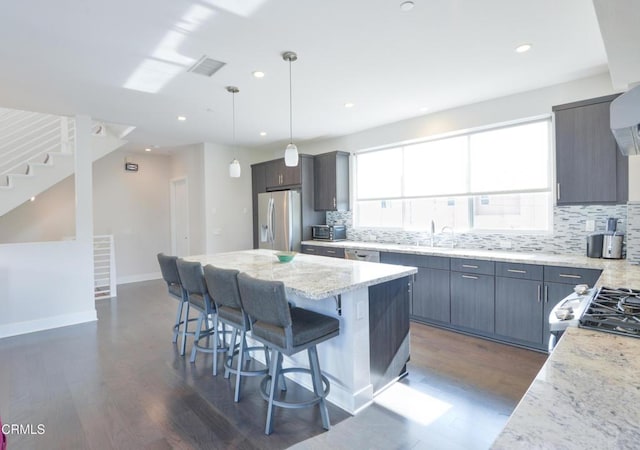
(223, 289)
(198, 297)
(286, 331)
(171, 276)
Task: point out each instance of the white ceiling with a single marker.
(97, 57)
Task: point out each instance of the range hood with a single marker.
(625, 121)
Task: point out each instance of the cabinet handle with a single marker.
(558, 191)
(568, 275)
(334, 202)
(470, 266)
(516, 271)
(333, 252)
(311, 250)
(539, 293)
(471, 277)
(546, 293)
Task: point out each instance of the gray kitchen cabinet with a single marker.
(473, 302)
(430, 296)
(519, 310)
(519, 305)
(589, 166)
(265, 177)
(279, 176)
(571, 275)
(331, 172)
(553, 293)
(320, 250)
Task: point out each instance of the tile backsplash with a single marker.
(569, 235)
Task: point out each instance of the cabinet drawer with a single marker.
(515, 270)
(334, 252)
(408, 259)
(571, 275)
(472, 266)
(311, 249)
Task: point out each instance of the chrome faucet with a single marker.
(433, 232)
(453, 236)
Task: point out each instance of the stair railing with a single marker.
(28, 137)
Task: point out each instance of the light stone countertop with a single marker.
(587, 395)
(313, 277)
(616, 272)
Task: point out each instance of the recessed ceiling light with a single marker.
(32, 199)
(147, 149)
(258, 74)
(406, 6)
(263, 133)
(348, 105)
(182, 118)
(523, 48)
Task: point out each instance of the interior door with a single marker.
(180, 217)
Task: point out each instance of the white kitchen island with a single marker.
(371, 300)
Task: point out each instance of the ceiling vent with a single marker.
(206, 66)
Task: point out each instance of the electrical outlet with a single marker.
(590, 225)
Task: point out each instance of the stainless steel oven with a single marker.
(567, 314)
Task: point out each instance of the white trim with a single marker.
(463, 132)
(140, 277)
(172, 188)
(31, 326)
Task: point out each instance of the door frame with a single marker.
(172, 189)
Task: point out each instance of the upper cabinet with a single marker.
(331, 173)
(278, 175)
(589, 166)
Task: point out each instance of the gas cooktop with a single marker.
(614, 310)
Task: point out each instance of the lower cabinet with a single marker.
(519, 310)
(431, 296)
(472, 301)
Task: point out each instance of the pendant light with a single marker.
(291, 152)
(234, 166)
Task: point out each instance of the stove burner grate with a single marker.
(615, 311)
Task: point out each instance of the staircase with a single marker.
(37, 151)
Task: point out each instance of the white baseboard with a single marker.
(141, 277)
(31, 326)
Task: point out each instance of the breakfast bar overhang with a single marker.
(371, 301)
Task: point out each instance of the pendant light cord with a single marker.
(290, 107)
(233, 115)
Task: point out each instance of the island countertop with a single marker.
(585, 396)
(313, 277)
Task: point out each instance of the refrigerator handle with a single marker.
(270, 221)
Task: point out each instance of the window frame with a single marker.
(547, 118)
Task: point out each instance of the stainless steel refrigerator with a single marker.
(279, 220)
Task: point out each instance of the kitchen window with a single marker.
(493, 179)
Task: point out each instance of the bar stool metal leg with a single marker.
(176, 327)
(316, 378)
(196, 338)
(276, 365)
(184, 332)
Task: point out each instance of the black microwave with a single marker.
(328, 232)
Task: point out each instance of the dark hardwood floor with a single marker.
(120, 383)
